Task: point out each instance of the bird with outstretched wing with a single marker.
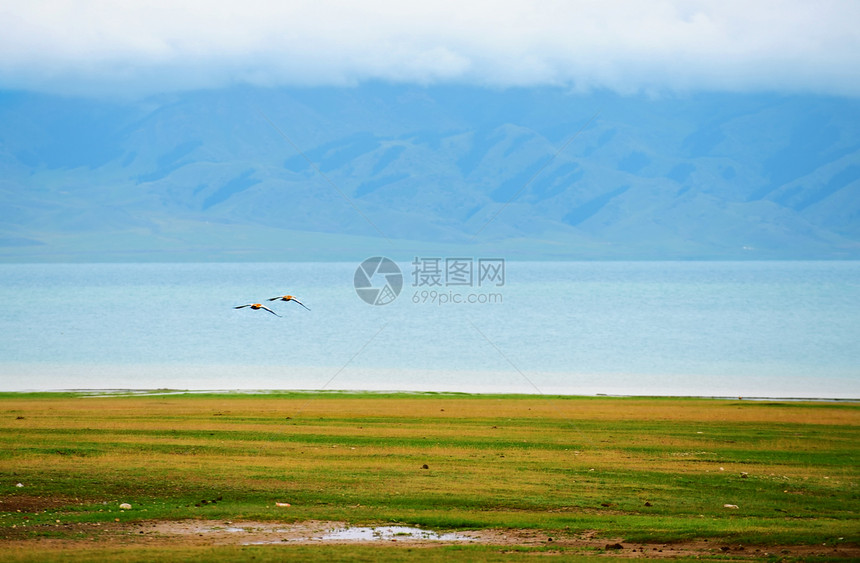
(256, 307)
(288, 298)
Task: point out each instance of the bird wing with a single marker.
(243, 306)
(300, 303)
(269, 310)
(275, 298)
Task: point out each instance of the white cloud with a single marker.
(625, 45)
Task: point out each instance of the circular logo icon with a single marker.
(378, 281)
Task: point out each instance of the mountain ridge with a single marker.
(538, 173)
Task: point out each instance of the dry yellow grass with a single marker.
(634, 467)
(168, 410)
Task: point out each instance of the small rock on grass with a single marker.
(125, 506)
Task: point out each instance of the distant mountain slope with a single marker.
(242, 172)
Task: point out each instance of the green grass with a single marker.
(561, 465)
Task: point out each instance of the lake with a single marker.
(753, 329)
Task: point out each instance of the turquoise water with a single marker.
(787, 329)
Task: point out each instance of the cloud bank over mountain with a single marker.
(319, 129)
(141, 48)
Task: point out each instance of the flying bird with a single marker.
(257, 306)
(288, 298)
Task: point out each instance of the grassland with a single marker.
(656, 471)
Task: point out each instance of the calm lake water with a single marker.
(778, 329)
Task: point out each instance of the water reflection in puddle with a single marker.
(387, 533)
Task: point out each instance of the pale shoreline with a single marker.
(47, 377)
(138, 392)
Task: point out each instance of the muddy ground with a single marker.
(218, 532)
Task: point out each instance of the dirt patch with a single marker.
(226, 532)
(33, 503)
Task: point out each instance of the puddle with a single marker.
(313, 531)
(388, 533)
(319, 532)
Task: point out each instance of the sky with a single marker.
(138, 48)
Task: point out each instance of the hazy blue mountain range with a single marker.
(342, 173)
